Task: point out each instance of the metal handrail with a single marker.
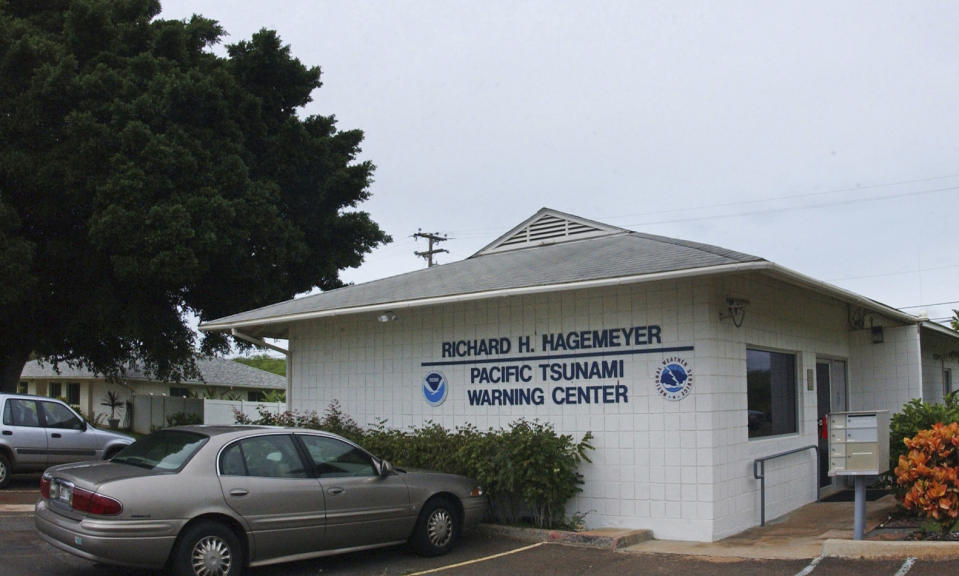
(759, 473)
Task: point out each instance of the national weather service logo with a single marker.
(674, 379)
(435, 388)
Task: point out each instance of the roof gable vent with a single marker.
(548, 227)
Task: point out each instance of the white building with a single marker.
(686, 361)
(86, 390)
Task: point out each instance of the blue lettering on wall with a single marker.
(506, 397)
(565, 358)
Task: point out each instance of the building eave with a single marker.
(483, 295)
(940, 329)
(277, 326)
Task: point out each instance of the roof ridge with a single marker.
(709, 248)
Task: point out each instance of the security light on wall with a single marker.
(736, 309)
(386, 317)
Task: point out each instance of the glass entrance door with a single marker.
(830, 397)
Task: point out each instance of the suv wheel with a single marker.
(5, 471)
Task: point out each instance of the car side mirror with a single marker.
(385, 468)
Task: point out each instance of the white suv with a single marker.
(37, 432)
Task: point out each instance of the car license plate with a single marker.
(66, 493)
(60, 491)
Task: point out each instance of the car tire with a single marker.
(207, 549)
(437, 528)
(5, 471)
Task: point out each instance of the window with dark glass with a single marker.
(59, 416)
(177, 392)
(73, 393)
(56, 389)
(771, 393)
(21, 413)
(166, 450)
(22, 388)
(254, 395)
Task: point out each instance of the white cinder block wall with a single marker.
(681, 468)
(887, 375)
(938, 355)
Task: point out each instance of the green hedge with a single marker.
(917, 415)
(528, 471)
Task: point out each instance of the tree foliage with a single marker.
(143, 177)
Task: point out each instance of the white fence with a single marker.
(221, 411)
(154, 412)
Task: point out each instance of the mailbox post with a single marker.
(859, 447)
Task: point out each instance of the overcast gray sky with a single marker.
(823, 136)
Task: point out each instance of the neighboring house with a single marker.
(220, 378)
(687, 362)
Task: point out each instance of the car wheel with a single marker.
(5, 471)
(437, 528)
(208, 549)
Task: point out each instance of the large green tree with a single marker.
(144, 178)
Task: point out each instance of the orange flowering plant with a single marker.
(928, 473)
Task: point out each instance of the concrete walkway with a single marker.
(818, 529)
(799, 534)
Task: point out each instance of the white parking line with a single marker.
(812, 566)
(17, 507)
(477, 560)
(906, 566)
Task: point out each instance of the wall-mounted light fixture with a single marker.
(877, 336)
(386, 317)
(736, 309)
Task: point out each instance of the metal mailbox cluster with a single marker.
(858, 443)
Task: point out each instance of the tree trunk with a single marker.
(11, 365)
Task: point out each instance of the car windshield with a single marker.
(167, 450)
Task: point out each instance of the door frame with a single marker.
(824, 389)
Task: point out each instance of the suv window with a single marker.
(20, 412)
(59, 416)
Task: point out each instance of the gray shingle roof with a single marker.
(215, 372)
(617, 253)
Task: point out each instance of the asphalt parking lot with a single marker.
(22, 553)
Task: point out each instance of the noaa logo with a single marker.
(435, 388)
(674, 379)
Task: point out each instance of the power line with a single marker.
(904, 273)
(927, 305)
(806, 207)
(794, 196)
(482, 231)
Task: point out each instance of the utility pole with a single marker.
(433, 238)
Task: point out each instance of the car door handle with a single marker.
(239, 492)
(8, 433)
(335, 491)
(56, 434)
